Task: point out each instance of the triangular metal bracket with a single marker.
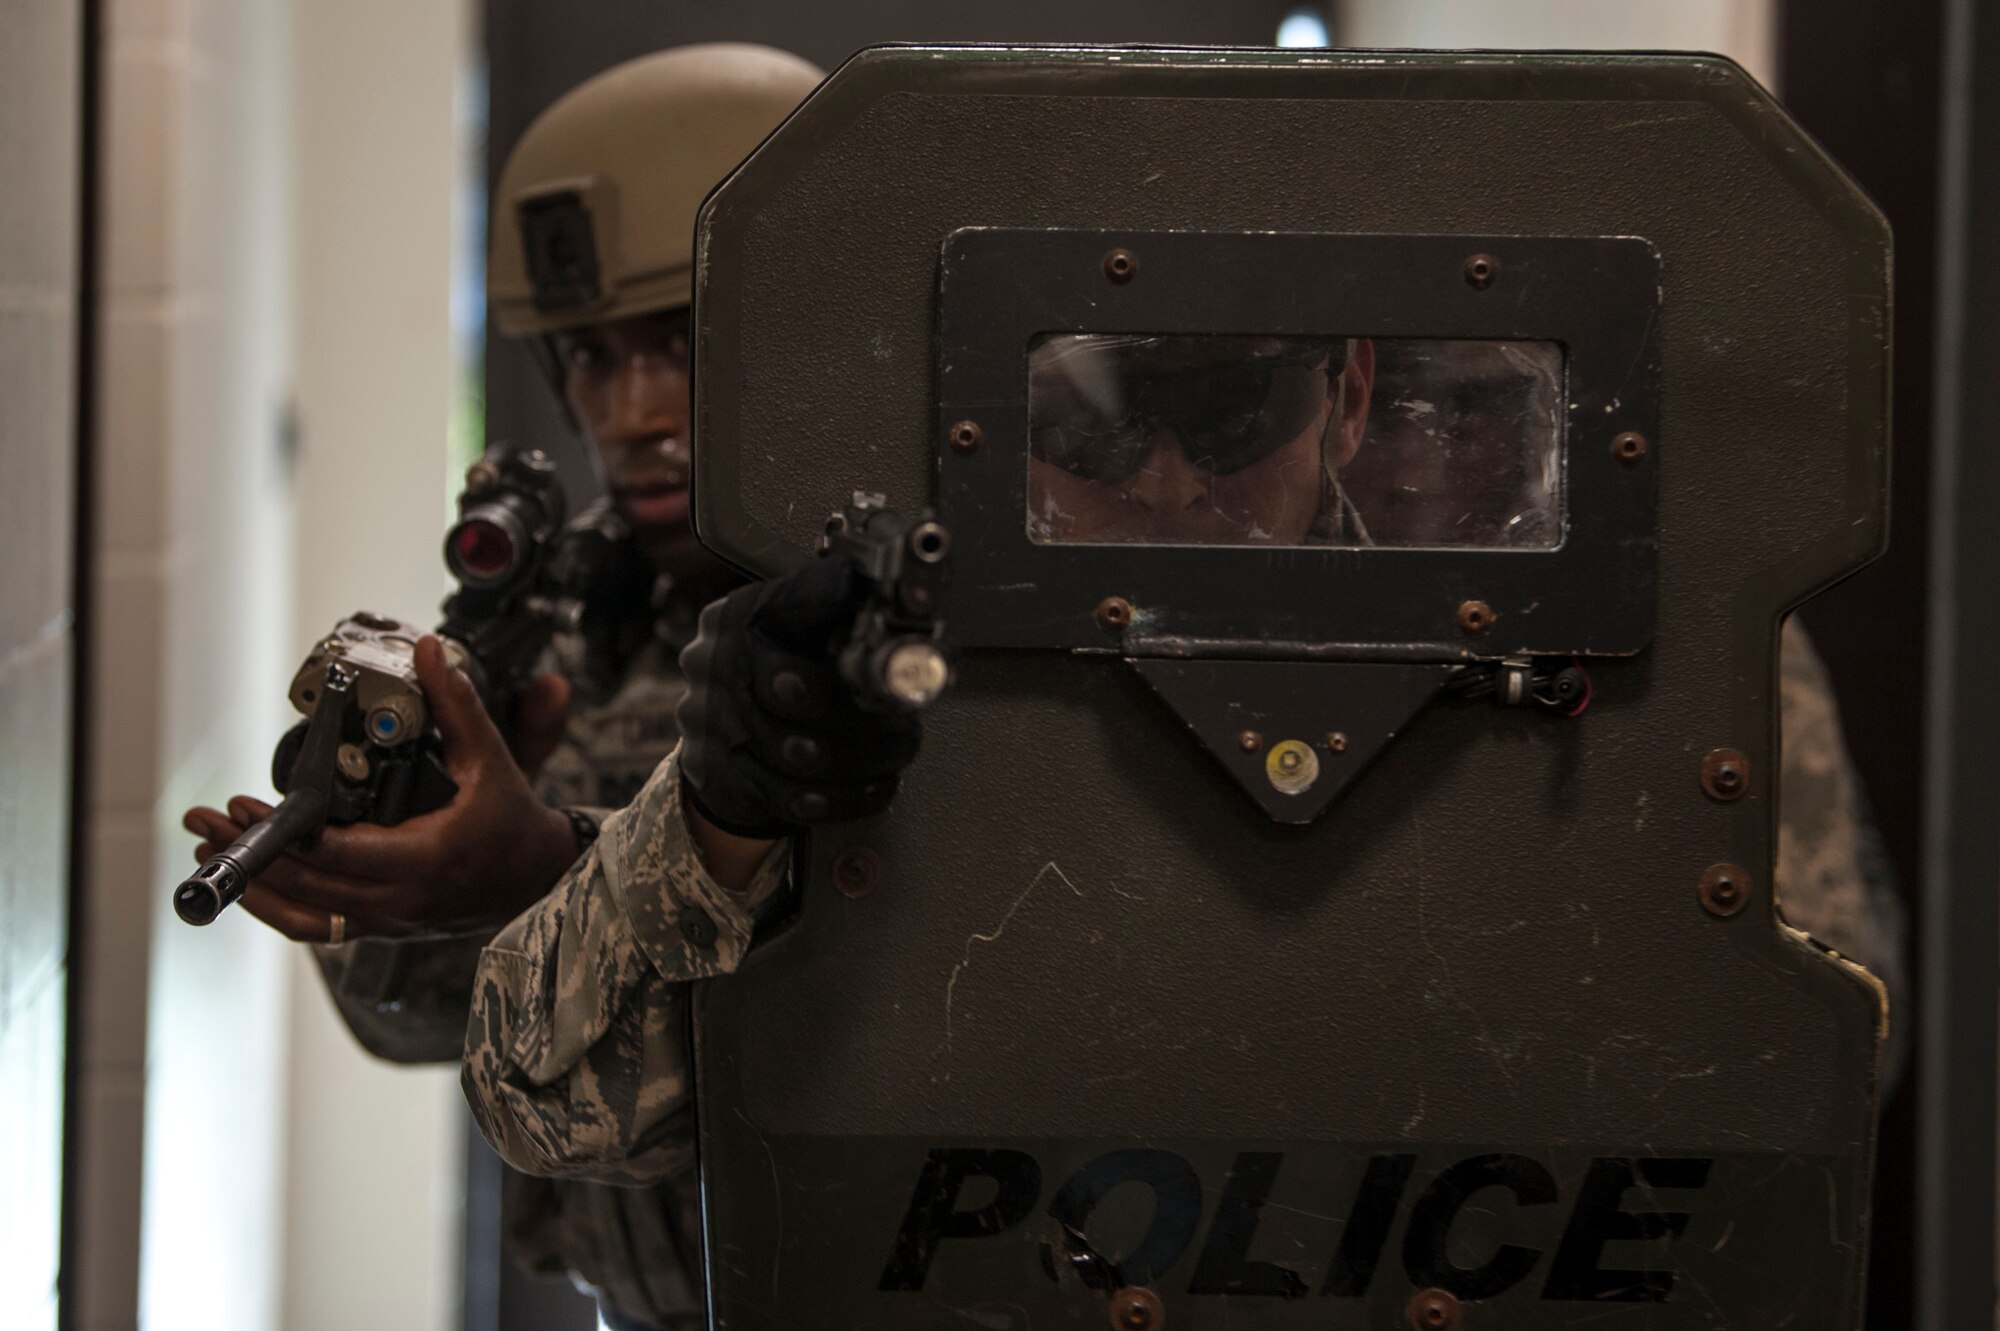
(1293, 733)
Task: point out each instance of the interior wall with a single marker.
(179, 1075)
(1743, 30)
(40, 227)
(239, 1164)
(374, 1172)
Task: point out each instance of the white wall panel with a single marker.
(180, 1086)
(40, 178)
(1744, 30)
(375, 1172)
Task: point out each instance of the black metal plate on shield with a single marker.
(1593, 593)
(1293, 734)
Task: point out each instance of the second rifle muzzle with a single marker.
(220, 881)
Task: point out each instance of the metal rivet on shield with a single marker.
(1480, 270)
(1433, 1310)
(1121, 265)
(1725, 890)
(1629, 447)
(1136, 1308)
(1336, 741)
(1725, 774)
(1114, 612)
(1249, 741)
(965, 437)
(856, 870)
(1475, 616)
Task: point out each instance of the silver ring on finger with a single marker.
(336, 929)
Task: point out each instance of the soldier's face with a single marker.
(1177, 495)
(630, 386)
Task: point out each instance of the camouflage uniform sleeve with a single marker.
(576, 1054)
(1834, 878)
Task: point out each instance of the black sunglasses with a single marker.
(1097, 403)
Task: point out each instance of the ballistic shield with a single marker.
(1234, 953)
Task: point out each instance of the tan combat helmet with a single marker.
(593, 219)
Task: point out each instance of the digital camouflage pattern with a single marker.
(576, 1061)
(616, 736)
(407, 1002)
(638, 1249)
(576, 1055)
(1834, 879)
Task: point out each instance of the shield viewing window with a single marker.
(1298, 441)
(1264, 441)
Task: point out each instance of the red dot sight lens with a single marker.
(482, 550)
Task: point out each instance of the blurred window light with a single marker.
(466, 432)
(1304, 26)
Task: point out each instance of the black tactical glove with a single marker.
(772, 739)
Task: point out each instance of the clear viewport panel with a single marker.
(1143, 439)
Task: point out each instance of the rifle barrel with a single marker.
(220, 881)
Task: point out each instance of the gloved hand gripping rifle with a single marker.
(366, 749)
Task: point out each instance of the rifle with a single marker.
(365, 749)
